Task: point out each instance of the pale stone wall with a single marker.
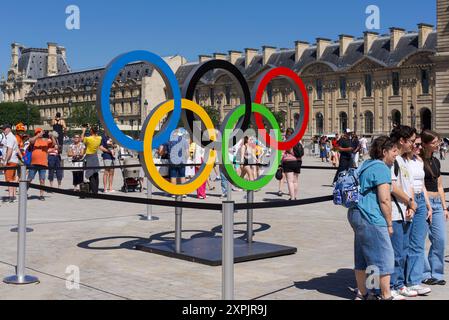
(442, 69)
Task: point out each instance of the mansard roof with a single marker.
(91, 77)
(33, 63)
(380, 55)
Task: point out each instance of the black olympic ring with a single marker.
(188, 91)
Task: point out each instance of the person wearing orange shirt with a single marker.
(40, 143)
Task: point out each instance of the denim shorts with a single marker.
(372, 244)
(177, 172)
(32, 173)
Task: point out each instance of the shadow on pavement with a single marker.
(166, 236)
(334, 284)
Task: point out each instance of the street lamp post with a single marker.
(413, 116)
(354, 106)
(289, 116)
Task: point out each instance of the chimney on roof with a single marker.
(203, 58)
(234, 55)
(220, 56)
(250, 54)
(63, 52)
(395, 36)
(52, 59)
(345, 40)
(424, 31)
(15, 57)
(300, 47)
(267, 52)
(369, 37)
(321, 45)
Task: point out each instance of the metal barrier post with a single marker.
(149, 216)
(228, 251)
(178, 226)
(20, 277)
(249, 217)
(229, 194)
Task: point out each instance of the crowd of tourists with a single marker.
(248, 156)
(402, 204)
(42, 152)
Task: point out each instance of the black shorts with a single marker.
(292, 166)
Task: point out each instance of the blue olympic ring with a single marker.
(103, 94)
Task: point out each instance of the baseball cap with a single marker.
(6, 126)
(20, 127)
(38, 130)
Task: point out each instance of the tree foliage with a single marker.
(214, 115)
(15, 112)
(83, 114)
(280, 118)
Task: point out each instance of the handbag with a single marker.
(279, 174)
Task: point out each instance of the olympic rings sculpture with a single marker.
(181, 107)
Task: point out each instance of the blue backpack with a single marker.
(347, 188)
(27, 158)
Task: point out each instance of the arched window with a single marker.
(369, 122)
(396, 118)
(343, 121)
(426, 119)
(319, 123)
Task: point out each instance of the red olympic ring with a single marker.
(271, 74)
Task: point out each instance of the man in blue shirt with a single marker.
(178, 150)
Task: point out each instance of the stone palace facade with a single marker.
(367, 84)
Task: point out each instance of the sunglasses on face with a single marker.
(418, 145)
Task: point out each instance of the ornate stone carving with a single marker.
(409, 82)
(381, 84)
(318, 68)
(354, 85)
(330, 86)
(365, 65)
(418, 59)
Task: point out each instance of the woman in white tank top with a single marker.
(418, 233)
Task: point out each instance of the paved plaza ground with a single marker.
(111, 269)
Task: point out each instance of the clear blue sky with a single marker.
(192, 27)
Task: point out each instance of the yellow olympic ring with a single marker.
(149, 165)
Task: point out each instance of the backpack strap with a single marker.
(397, 169)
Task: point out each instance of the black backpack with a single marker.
(298, 151)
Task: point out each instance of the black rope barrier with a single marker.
(280, 204)
(318, 168)
(178, 204)
(157, 202)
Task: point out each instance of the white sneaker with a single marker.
(396, 296)
(407, 292)
(421, 290)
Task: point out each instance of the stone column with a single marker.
(326, 114)
(386, 114)
(405, 107)
(377, 112)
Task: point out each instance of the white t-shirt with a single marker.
(363, 143)
(405, 182)
(11, 143)
(2, 145)
(417, 168)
